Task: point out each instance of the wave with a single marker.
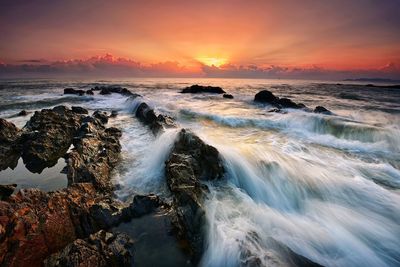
(331, 131)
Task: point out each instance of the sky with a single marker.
(227, 38)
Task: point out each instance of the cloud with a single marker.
(111, 66)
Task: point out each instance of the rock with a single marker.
(106, 90)
(101, 115)
(156, 123)
(196, 89)
(22, 113)
(95, 153)
(229, 96)
(47, 137)
(10, 147)
(7, 190)
(190, 161)
(89, 92)
(265, 96)
(72, 91)
(100, 249)
(114, 114)
(144, 204)
(321, 109)
(287, 103)
(35, 224)
(79, 110)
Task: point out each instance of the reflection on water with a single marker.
(154, 243)
(50, 179)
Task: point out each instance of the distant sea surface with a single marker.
(324, 186)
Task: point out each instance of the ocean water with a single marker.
(325, 187)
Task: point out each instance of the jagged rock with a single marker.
(190, 161)
(229, 96)
(196, 89)
(35, 224)
(100, 249)
(89, 92)
(10, 148)
(7, 190)
(95, 153)
(287, 103)
(72, 91)
(79, 110)
(156, 123)
(101, 115)
(265, 96)
(320, 109)
(47, 137)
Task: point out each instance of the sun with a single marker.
(212, 61)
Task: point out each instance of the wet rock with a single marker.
(79, 110)
(144, 204)
(10, 148)
(89, 92)
(35, 224)
(229, 96)
(321, 109)
(72, 91)
(107, 90)
(114, 114)
(265, 96)
(287, 103)
(22, 113)
(47, 137)
(156, 123)
(100, 249)
(101, 115)
(7, 190)
(96, 152)
(190, 161)
(196, 89)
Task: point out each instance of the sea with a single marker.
(326, 187)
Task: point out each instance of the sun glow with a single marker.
(212, 61)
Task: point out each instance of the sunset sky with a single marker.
(188, 37)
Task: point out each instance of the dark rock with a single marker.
(47, 137)
(114, 114)
(196, 89)
(320, 109)
(144, 204)
(156, 123)
(101, 249)
(287, 103)
(22, 113)
(89, 92)
(190, 161)
(10, 147)
(95, 153)
(229, 96)
(72, 91)
(79, 110)
(101, 115)
(106, 90)
(7, 190)
(265, 96)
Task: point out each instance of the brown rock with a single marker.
(10, 148)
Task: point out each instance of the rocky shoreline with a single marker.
(71, 226)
